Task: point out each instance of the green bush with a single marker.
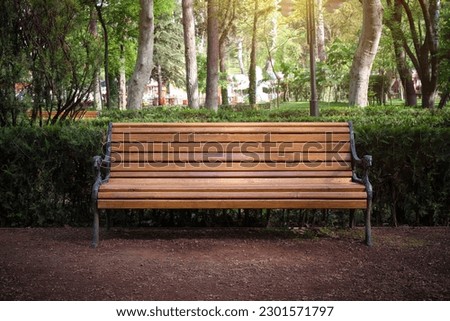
(46, 173)
(411, 172)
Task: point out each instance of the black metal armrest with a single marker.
(365, 163)
(98, 161)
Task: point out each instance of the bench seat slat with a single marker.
(241, 174)
(236, 166)
(233, 203)
(282, 194)
(156, 182)
(234, 188)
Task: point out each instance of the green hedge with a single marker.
(46, 173)
(411, 172)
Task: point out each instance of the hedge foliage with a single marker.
(46, 173)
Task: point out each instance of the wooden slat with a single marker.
(257, 147)
(237, 166)
(238, 203)
(231, 137)
(237, 189)
(155, 183)
(229, 157)
(230, 129)
(233, 124)
(231, 195)
(242, 174)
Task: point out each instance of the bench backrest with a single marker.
(230, 150)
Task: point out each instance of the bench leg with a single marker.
(368, 224)
(351, 223)
(96, 228)
(108, 220)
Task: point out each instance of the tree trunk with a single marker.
(96, 86)
(190, 53)
(423, 49)
(106, 54)
(144, 62)
(444, 99)
(365, 53)
(240, 54)
(252, 71)
(227, 25)
(400, 55)
(122, 81)
(161, 99)
(321, 50)
(212, 60)
(223, 72)
(405, 75)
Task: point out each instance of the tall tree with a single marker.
(122, 79)
(240, 54)
(366, 51)
(227, 26)
(212, 76)
(190, 53)
(144, 61)
(99, 7)
(252, 69)
(96, 86)
(13, 62)
(394, 22)
(444, 55)
(168, 55)
(423, 49)
(321, 50)
(63, 56)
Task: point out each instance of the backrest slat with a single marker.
(147, 150)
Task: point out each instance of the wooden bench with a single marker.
(231, 165)
(79, 114)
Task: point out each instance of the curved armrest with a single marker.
(98, 161)
(366, 162)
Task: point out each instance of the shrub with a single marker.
(46, 173)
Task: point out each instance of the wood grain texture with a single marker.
(237, 203)
(231, 165)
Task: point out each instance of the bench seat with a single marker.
(231, 165)
(232, 193)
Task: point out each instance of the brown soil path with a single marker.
(224, 264)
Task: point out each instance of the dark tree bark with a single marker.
(423, 52)
(400, 55)
(445, 97)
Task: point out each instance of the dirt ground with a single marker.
(224, 264)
